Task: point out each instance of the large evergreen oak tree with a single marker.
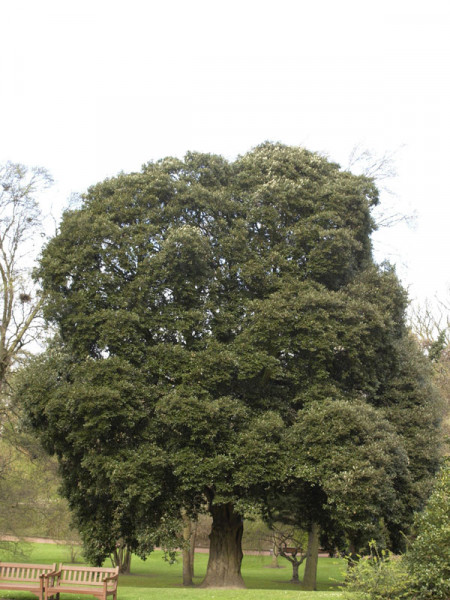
(206, 310)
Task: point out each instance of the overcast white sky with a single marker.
(90, 88)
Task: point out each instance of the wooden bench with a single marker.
(95, 581)
(24, 577)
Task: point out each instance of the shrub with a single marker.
(428, 558)
(424, 572)
(380, 576)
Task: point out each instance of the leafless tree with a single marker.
(290, 543)
(431, 321)
(20, 220)
(381, 168)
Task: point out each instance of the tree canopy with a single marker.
(210, 314)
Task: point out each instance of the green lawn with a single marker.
(155, 579)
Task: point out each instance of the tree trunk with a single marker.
(126, 570)
(189, 533)
(225, 549)
(295, 566)
(122, 558)
(275, 552)
(312, 558)
(352, 558)
(274, 564)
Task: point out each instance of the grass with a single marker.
(155, 579)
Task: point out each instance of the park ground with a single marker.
(156, 579)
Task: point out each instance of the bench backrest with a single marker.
(24, 572)
(86, 575)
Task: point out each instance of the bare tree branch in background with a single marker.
(430, 322)
(382, 169)
(21, 504)
(20, 219)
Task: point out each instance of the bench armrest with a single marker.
(111, 578)
(51, 574)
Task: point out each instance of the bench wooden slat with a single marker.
(83, 580)
(24, 577)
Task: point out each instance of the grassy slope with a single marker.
(156, 579)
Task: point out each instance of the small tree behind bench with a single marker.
(291, 545)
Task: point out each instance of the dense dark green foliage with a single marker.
(224, 333)
(353, 470)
